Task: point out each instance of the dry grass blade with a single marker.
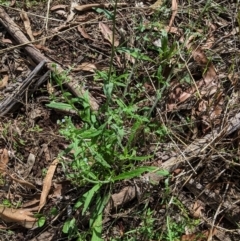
(47, 184)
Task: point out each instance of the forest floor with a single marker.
(119, 120)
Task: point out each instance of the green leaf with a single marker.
(69, 226)
(97, 229)
(60, 106)
(54, 211)
(108, 88)
(89, 195)
(107, 13)
(134, 53)
(41, 221)
(138, 172)
(162, 172)
(96, 219)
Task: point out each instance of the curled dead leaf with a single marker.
(83, 32)
(47, 184)
(27, 24)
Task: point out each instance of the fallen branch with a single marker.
(38, 57)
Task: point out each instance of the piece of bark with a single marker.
(37, 56)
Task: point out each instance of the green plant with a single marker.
(106, 148)
(5, 3)
(102, 149)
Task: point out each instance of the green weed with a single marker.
(105, 147)
(102, 149)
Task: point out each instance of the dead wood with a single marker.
(11, 102)
(37, 56)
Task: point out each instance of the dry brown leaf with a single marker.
(96, 5)
(81, 29)
(197, 209)
(57, 7)
(4, 82)
(20, 216)
(71, 11)
(85, 67)
(4, 159)
(210, 75)
(174, 30)
(57, 190)
(47, 184)
(62, 13)
(27, 24)
(29, 165)
(30, 203)
(184, 96)
(200, 57)
(6, 40)
(108, 34)
(174, 12)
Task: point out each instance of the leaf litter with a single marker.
(196, 103)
